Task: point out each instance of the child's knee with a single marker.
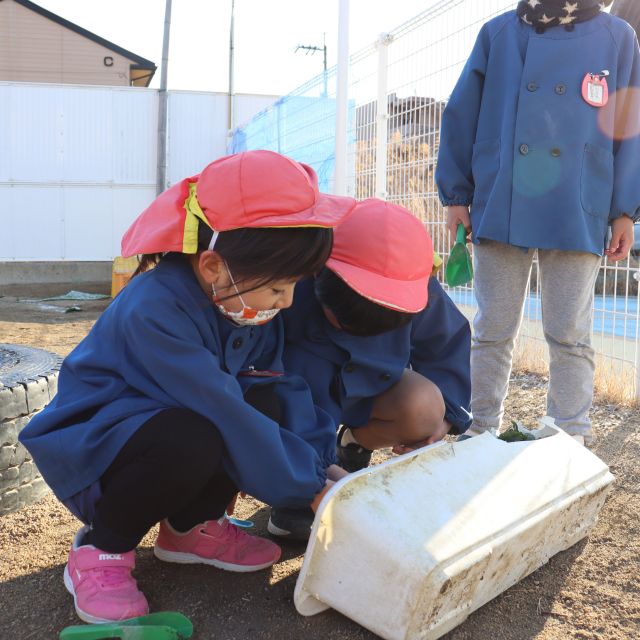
(422, 409)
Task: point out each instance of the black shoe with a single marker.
(292, 524)
(352, 457)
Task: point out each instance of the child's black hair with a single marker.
(264, 255)
(354, 313)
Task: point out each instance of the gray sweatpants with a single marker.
(501, 274)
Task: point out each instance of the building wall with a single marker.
(197, 131)
(36, 49)
(78, 163)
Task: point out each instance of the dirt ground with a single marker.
(589, 591)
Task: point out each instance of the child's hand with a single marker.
(621, 239)
(443, 428)
(458, 215)
(318, 499)
(335, 473)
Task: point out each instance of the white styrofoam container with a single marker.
(411, 547)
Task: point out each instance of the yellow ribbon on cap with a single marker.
(194, 216)
(437, 263)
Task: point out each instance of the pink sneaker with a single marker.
(101, 584)
(222, 545)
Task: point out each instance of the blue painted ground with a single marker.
(612, 316)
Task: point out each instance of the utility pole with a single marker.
(161, 174)
(312, 49)
(231, 70)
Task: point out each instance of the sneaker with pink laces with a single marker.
(101, 583)
(220, 544)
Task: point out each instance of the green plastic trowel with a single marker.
(459, 270)
(163, 625)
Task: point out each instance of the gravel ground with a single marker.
(589, 591)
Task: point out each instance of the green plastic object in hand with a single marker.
(459, 270)
(163, 625)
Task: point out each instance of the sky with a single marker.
(266, 35)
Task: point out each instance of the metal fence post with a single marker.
(382, 115)
(342, 99)
(636, 377)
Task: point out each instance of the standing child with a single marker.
(540, 139)
(381, 345)
(153, 420)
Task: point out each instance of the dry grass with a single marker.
(614, 382)
(410, 178)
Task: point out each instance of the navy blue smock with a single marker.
(347, 372)
(161, 344)
(537, 164)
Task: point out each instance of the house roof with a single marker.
(142, 69)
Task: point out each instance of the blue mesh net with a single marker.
(301, 127)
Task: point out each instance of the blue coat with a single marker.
(521, 146)
(161, 344)
(347, 372)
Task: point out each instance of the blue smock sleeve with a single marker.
(273, 464)
(626, 185)
(458, 129)
(299, 414)
(441, 350)
(311, 423)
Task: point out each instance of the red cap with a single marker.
(384, 253)
(250, 189)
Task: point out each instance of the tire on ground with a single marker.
(28, 382)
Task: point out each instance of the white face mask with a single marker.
(247, 315)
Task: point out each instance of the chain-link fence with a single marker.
(399, 87)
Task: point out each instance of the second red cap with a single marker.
(384, 253)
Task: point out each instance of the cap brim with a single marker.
(328, 212)
(401, 295)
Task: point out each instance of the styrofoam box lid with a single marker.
(382, 532)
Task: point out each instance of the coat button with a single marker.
(569, 27)
(532, 86)
(540, 30)
(237, 343)
(349, 367)
(524, 149)
(385, 376)
(560, 89)
(555, 152)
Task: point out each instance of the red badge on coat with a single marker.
(595, 90)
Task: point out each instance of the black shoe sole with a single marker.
(290, 524)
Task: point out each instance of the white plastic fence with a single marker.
(398, 88)
(78, 162)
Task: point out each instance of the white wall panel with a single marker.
(247, 105)
(78, 163)
(135, 132)
(35, 135)
(86, 134)
(88, 222)
(34, 218)
(6, 221)
(197, 132)
(128, 203)
(198, 128)
(5, 136)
